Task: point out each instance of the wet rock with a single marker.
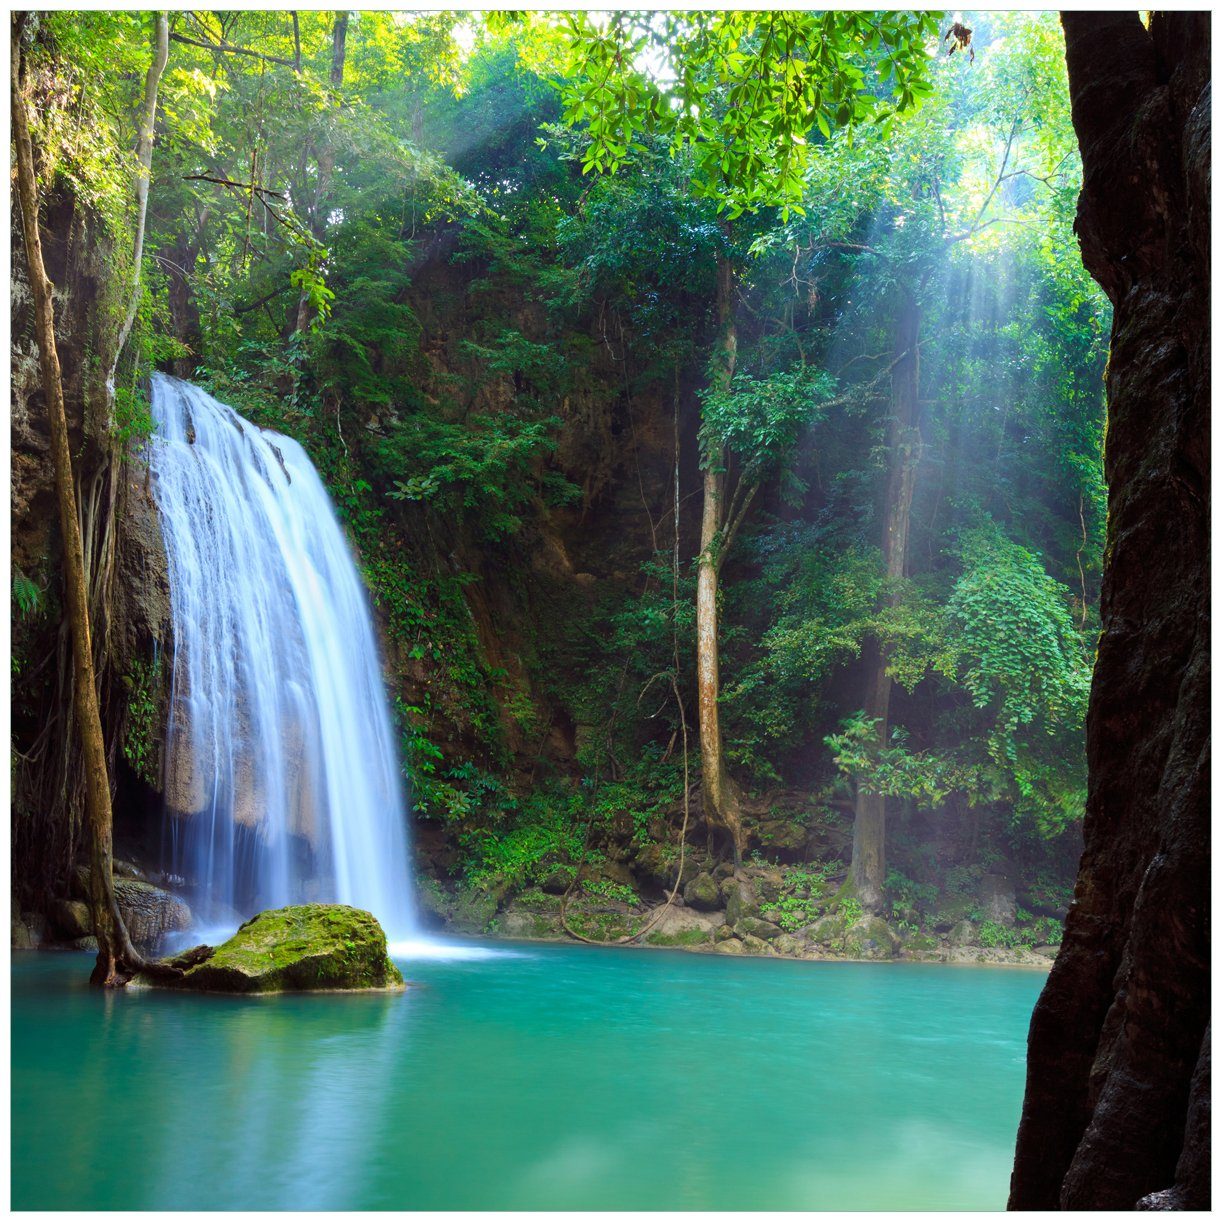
(871, 938)
(782, 835)
(71, 919)
(740, 899)
(757, 927)
(963, 934)
(657, 864)
(703, 893)
(828, 928)
(687, 923)
(755, 946)
(21, 936)
(298, 949)
(788, 945)
(149, 912)
(521, 923)
(997, 900)
(730, 946)
(556, 882)
(768, 883)
(474, 908)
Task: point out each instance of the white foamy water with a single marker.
(282, 772)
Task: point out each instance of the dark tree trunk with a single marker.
(1121, 1027)
(869, 868)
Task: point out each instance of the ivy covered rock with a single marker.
(298, 949)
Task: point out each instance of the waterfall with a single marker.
(281, 771)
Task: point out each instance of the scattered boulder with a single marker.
(782, 835)
(828, 928)
(787, 944)
(556, 882)
(522, 923)
(302, 948)
(474, 908)
(874, 936)
(997, 899)
(71, 919)
(963, 934)
(757, 927)
(149, 912)
(703, 893)
(26, 931)
(685, 923)
(754, 946)
(723, 933)
(768, 883)
(740, 899)
(730, 946)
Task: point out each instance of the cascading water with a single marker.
(282, 775)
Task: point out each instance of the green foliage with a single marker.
(801, 897)
(851, 909)
(142, 720)
(28, 595)
(759, 419)
(740, 91)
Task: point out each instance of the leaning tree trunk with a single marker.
(1116, 1107)
(869, 862)
(720, 798)
(115, 954)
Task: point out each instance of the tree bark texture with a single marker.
(144, 155)
(326, 163)
(869, 862)
(108, 925)
(720, 799)
(1116, 1108)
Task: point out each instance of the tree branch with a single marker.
(228, 48)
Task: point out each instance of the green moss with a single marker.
(301, 948)
(684, 937)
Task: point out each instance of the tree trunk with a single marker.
(720, 797)
(144, 155)
(326, 163)
(869, 867)
(1116, 1106)
(115, 955)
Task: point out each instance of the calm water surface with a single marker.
(548, 1077)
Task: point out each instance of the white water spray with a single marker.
(282, 774)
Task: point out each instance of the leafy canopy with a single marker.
(740, 90)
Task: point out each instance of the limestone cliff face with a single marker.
(1116, 1106)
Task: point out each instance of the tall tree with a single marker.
(116, 956)
(740, 91)
(1116, 1112)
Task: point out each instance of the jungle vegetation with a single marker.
(714, 402)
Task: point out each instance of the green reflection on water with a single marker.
(556, 1078)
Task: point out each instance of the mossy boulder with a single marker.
(299, 949)
(757, 927)
(740, 898)
(702, 893)
(754, 946)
